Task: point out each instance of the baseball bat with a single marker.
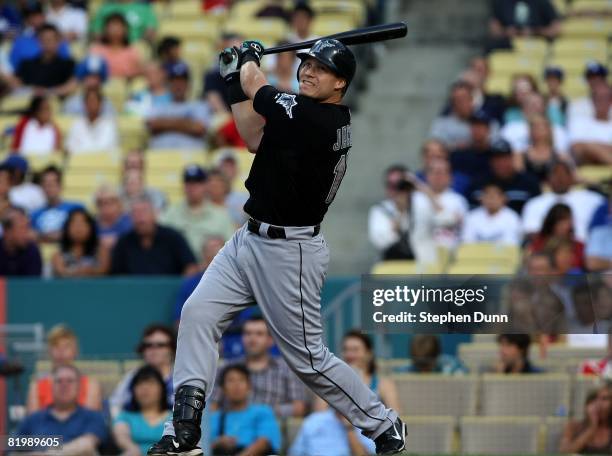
(358, 36)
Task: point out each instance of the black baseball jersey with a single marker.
(301, 160)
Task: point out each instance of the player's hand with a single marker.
(251, 51)
(229, 64)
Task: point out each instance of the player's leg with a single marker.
(286, 278)
(210, 309)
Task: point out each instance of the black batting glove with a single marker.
(251, 51)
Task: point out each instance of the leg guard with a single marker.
(187, 415)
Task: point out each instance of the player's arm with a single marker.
(250, 124)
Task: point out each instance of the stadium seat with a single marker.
(509, 63)
(478, 357)
(571, 64)
(354, 9)
(186, 9)
(132, 132)
(561, 6)
(165, 181)
(196, 28)
(268, 30)
(116, 91)
(587, 27)
(499, 435)
(527, 395)
(575, 86)
(430, 434)
(88, 163)
(553, 430)
(596, 49)
(173, 160)
(13, 103)
(245, 10)
(47, 251)
(38, 162)
(489, 252)
(430, 394)
(64, 123)
(403, 267)
(595, 173)
(131, 364)
(530, 47)
(332, 23)
(86, 366)
(481, 267)
(386, 366)
(562, 351)
(582, 385)
(108, 382)
(591, 6)
(89, 180)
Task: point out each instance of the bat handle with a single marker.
(226, 57)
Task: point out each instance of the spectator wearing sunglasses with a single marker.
(157, 348)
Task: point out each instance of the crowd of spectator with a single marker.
(500, 176)
(61, 57)
(255, 393)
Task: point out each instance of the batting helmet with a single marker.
(334, 55)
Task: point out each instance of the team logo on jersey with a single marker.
(287, 101)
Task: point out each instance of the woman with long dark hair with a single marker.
(358, 352)
(80, 253)
(123, 59)
(36, 133)
(141, 422)
(559, 224)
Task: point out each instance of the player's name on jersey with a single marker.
(440, 318)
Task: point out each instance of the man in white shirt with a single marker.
(93, 132)
(517, 132)
(582, 202)
(591, 136)
(451, 207)
(23, 194)
(72, 22)
(492, 221)
(596, 75)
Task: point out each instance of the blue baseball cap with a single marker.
(92, 65)
(480, 117)
(15, 161)
(554, 72)
(177, 70)
(194, 173)
(594, 68)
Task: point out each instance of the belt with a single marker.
(274, 232)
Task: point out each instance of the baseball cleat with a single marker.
(393, 440)
(168, 446)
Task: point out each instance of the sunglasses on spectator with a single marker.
(146, 345)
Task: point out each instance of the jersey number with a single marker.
(339, 172)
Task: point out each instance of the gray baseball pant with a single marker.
(284, 277)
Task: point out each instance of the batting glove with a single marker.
(229, 64)
(251, 51)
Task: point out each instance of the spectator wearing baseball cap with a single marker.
(91, 73)
(519, 187)
(596, 75)
(555, 99)
(196, 217)
(183, 123)
(23, 193)
(591, 137)
(473, 159)
(227, 164)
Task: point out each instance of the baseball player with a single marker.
(279, 258)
